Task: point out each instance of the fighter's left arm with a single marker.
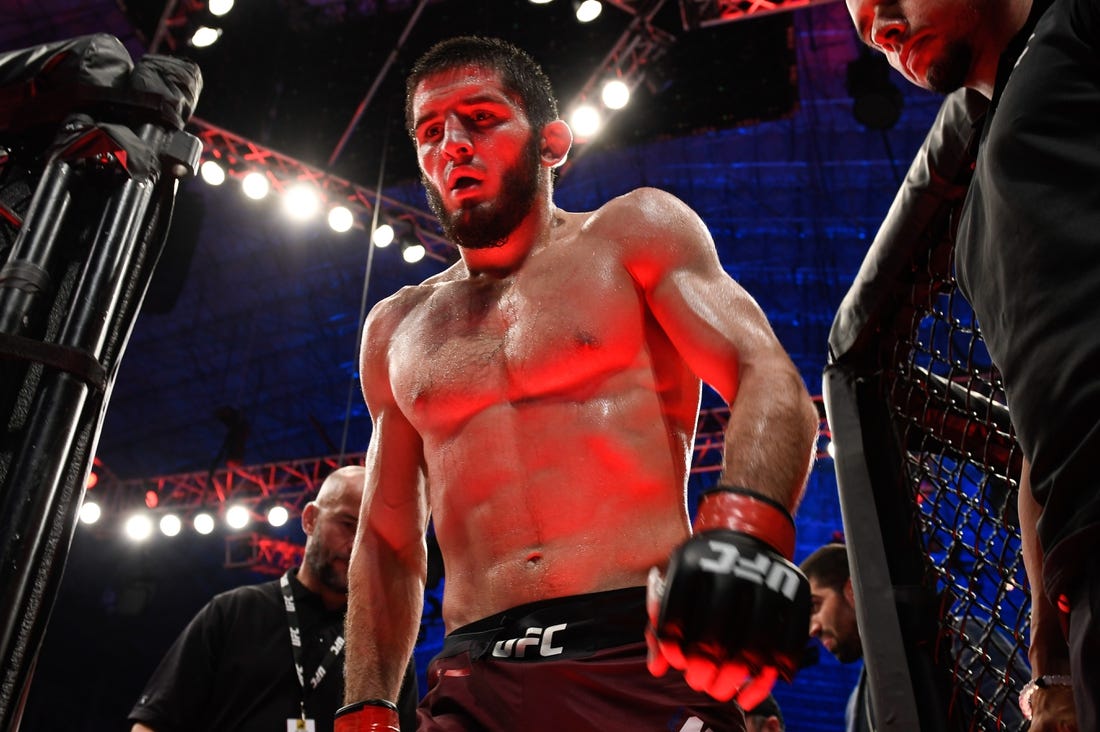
(738, 562)
(725, 337)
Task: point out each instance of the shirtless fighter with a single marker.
(538, 400)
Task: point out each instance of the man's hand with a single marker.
(731, 613)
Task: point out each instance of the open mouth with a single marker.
(464, 182)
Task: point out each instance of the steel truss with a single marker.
(293, 483)
(240, 156)
(636, 51)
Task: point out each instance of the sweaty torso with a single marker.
(557, 423)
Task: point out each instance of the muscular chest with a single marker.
(556, 329)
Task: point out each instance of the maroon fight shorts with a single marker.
(569, 664)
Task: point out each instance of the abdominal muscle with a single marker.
(550, 499)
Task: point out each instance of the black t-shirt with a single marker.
(1028, 252)
(232, 668)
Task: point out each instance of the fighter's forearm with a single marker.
(771, 434)
(385, 600)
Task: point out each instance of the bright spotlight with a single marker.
(413, 253)
(212, 173)
(540, 2)
(277, 515)
(237, 517)
(255, 185)
(340, 219)
(89, 512)
(301, 202)
(831, 450)
(615, 94)
(138, 527)
(205, 36)
(589, 10)
(383, 236)
(219, 7)
(204, 523)
(585, 121)
(170, 524)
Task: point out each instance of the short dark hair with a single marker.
(828, 566)
(767, 708)
(519, 72)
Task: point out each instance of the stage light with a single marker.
(170, 524)
(237, 517)
(383, 236)
(255, 185)
(830, 450)
(205, 36)
(540, 2)
(615, 94)
(340, 219)
(219, 7)
(301, 201)
(151, 499)
(413, 253)
(585, 121)
(212, 173)
(93, 480)
(89, 512)
(203, 523)
(588, 10)
(138, 527)
(277, 515)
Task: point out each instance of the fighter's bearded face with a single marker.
(931, 42)
(478, 154)
(487, 223)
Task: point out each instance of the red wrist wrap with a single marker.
(367, 716)
(749, 513)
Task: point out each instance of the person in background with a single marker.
(236, 668)
(1027, 259)
(765, 717)
(833, 623)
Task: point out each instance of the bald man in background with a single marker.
(233, 669)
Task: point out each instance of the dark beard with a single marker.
(489, 223)
(320, 563)
(948, 73)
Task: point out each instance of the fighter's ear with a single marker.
(849, 593)
(554, 146)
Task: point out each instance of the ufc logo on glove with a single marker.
(760, 569)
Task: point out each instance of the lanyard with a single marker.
(327, 662)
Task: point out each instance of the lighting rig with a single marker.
(638, 50)
(246, 502)
(238, 158)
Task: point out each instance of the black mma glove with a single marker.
(730, 597)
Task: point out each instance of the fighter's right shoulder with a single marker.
(389, 312)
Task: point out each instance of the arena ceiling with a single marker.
(251, 321)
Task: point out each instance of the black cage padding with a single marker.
(927, 463)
